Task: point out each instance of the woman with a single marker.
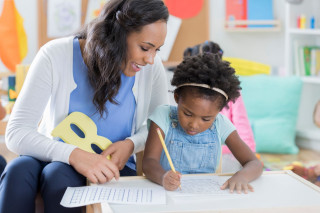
(111, 73)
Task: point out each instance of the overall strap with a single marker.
(174, 116)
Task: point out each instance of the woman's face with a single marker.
(196, 114)
(143, 46)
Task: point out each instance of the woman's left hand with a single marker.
(237, 182)
(120, 152)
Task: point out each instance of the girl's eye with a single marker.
(157, 50)
(187, 114)
(144, 49)
(206, 119)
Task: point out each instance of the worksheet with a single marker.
(208, 185)
(80, 196)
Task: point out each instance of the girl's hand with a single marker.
(97, 168)
(171, 180)
(238, 183)
(120, 152)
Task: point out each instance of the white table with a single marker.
(276, 191)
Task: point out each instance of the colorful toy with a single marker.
(88, 128)
(311, 174)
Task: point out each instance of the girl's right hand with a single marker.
(171, 180)
(97, 168)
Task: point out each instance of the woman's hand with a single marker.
(237, 182)
(120, 152)
(97, 168)
(171, 180)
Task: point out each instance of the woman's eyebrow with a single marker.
(149, 44)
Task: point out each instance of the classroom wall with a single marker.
(257, 46)
(263, 47)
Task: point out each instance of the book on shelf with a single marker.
(260, 10)
(306, 60)
(236, 10)
(315, 62)
(248, 10)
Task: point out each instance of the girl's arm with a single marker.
(151, 161)
(252, 167)
(152, 153)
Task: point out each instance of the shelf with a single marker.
(304, 31)
(311, 79)
(233, 26)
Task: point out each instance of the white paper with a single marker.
(105, 208)
(64, 17)
(80, 196)
(206, 185)
(173, 27)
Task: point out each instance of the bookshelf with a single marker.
(264, 26)
(308, 135)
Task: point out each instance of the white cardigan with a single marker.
(45, 97)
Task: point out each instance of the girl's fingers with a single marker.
(245, 188)
(174, 182)
(250, 188)
(225, 185)
(232, 187)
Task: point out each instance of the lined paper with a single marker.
(80, 196)
(206, 185)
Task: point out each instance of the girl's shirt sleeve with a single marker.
(224, 127)
(160, 116)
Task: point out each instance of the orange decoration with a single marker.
(13, 42)
(184, 8)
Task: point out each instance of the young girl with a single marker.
(235, 111)
(194, 130)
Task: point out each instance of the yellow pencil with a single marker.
(166, 151)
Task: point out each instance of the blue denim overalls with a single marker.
(191, 154)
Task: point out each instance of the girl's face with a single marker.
(143, 46)
(196, 114)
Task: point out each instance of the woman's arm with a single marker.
(252, 167)
(22, 136)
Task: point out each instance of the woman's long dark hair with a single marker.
(106, 43)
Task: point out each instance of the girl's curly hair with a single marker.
(210, 69)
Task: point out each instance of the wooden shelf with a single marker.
(304, 31)
(234, 26)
